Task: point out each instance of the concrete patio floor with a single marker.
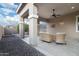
(53, 49)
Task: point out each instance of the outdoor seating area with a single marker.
(59, 38)
(40, 29)
(47, 37)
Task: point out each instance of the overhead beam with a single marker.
(17, 10)
(24, 9)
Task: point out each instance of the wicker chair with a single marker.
(47, 37)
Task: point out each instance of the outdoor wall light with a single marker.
(73, 7)
(61, 23)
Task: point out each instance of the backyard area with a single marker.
(11, 45)
(39, 29)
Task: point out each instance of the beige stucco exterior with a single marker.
(64, 24)
(1, 31)
(67, 24)
(29, 11)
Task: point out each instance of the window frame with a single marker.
(77, 23)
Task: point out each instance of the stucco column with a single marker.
(21, 27)
(33, 25)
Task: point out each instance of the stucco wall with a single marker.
(50, 29)
(1, 31)
(68, 25)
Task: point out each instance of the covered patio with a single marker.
(66, 22)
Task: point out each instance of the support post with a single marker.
(21, 27)
(33, 25)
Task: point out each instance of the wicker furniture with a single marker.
(60, 38)
(47, 37)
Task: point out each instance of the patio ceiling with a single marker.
(45, 9)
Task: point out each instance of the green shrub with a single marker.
(26, 28)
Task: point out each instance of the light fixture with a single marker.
(61, 23)
(73, 7)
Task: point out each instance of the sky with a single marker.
(8, 14)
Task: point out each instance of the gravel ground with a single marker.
(11, 45)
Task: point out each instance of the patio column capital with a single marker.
(33, 16)
(21, 21)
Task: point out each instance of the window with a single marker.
(77, 23)
(43, 26)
